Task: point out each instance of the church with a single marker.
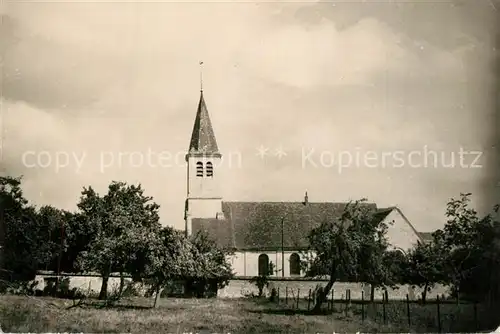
(261, 233)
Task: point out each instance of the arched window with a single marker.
(400, 252)
(210, 169)
(199, 169)
(263, 264)
(294, 264)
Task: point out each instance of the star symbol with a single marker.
(262, 151)
(280, 152)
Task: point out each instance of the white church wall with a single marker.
(204, 208)
(203, 187)
(400, 234)
(246, 263)
(237, 261)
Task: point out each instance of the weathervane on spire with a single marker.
(201, 76)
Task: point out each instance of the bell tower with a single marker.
(204, 199)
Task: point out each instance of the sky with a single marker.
(343, 99)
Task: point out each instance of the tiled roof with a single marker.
(382, 214)
(203, 137)
(219, 230)
(257, 225)
(426, 236)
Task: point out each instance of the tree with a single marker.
(121, 222)
(167, 257)
(78, 234)
(197, 261)
(52, 232)
(373, 259)
(213, 270)
(25, 248)
(339, 244)
(425, 266)
(472, 245)
(396, 262)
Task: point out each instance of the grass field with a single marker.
(40, 314)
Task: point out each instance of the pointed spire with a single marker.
(203, 137)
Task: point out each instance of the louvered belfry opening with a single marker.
(210, 169)
(199, 169)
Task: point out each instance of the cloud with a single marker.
(91, 78)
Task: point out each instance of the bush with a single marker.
(20, 287)
(261, 282)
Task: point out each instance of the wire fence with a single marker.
(437, 315)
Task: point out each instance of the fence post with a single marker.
(408, 309)
(362, 305)
(333, 291)
(309, 301)
(286, 295)
(345, 302)
(349, 300)
(383, 308)
(438, 314)
(298, 297)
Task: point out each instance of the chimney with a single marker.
(306, 199)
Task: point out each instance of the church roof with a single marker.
(203, 137)
(382, 214)
(426, 236)
(257, 225)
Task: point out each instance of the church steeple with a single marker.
(204, 199)
(203, 137)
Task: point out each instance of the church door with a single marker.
(294, 265)
(263, 264)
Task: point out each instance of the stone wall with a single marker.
(240, 288)
(86, 284)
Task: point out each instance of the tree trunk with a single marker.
(372, 293)
(122, 284)
(104, 287)
(159, 290)
(424, 293)
(322, 296)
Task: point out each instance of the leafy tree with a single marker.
(197, 261)
(472, 245)
(425, 266)
(340, 244)
(25, 248)
(121, 222)
(373, 258)
(53, 228)
(78, 232)
(213, 270)
(396, 262)
(167, 257)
